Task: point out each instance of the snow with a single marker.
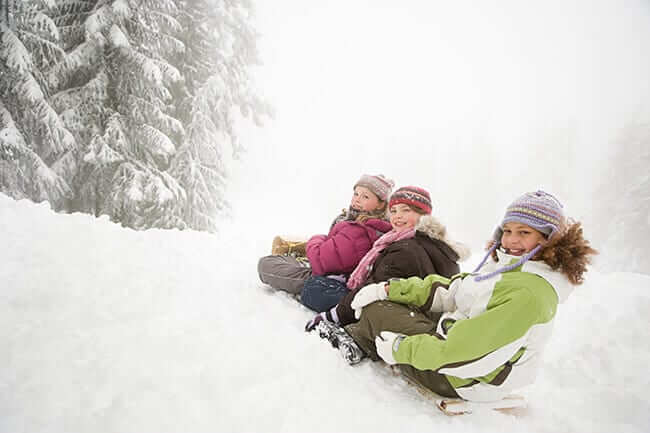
(97, 21)
(14, 53)
(118, 38)
(158, 143)
(151, 71)
(100, 153)
(157, 188)
(46, 25)
(107, 329)
(10, 136)
(134, 192)
(32, 90)
(121, 8)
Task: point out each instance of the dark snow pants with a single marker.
(319, 293)
(390, 316)
(322, 293)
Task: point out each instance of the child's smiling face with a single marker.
(403, 217)
(518, 239)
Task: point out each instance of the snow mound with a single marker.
(107, 329)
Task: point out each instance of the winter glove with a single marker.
(388, 342)
(368, 295)
(311, 325)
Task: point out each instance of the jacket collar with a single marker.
(559, 281)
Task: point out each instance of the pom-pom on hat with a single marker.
(412, 196)
(380, 185)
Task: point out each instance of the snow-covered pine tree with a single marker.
(7, 8)
(114, 94)
(219, 49)
(142, 121)
(23, 174)
(32, 135)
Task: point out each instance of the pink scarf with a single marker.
(360, 273)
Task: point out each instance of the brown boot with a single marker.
(282, 246)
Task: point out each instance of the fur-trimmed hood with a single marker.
(433, 228)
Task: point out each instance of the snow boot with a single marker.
(282, 246)
(326, 330)
(339, 339)
(351, 352)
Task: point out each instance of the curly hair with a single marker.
(570, 253)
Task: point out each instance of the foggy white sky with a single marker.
(463, 99)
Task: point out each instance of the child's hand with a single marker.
(368, 295)
(386, 343)
(311, 325)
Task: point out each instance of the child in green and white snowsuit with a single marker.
(480, 336)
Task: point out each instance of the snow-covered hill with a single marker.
(105, 329)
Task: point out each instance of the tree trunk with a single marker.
(4, 12)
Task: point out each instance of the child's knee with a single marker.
(322, 293)
(376, 311)
(263, 264)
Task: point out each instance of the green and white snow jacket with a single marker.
(491, 335)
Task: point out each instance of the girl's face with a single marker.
(402, 217)
(518, 239)
(364, 200)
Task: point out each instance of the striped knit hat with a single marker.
(380, 185)
(412, 196)
(538, 210)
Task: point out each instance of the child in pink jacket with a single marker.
(332, 257)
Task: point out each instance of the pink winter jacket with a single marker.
(343, 248)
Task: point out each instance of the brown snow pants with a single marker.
(404, 319)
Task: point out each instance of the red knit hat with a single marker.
(412, 196)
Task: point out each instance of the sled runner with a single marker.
(455, 406)
(512, 404)
(339, 339)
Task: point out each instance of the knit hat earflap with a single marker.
(538, 210)
(412, 196)
(380, 185)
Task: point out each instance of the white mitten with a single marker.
(386, 342)
(368, 295)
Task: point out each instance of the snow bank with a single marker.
(106, 329)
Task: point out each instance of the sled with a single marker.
(512, 404)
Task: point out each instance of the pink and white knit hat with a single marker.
(380, 185)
